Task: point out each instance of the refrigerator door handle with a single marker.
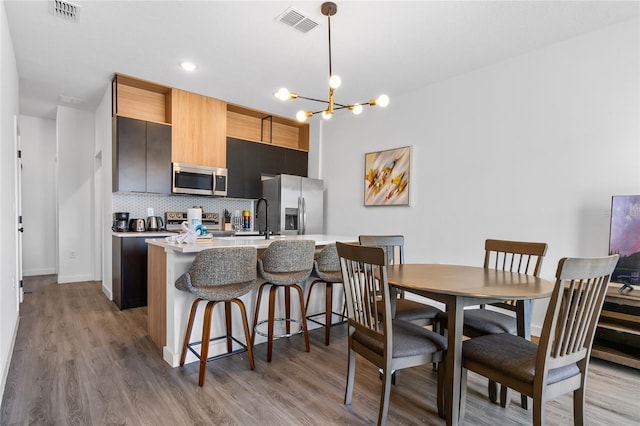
(300, 218)
(304, 217)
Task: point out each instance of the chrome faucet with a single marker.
(266, 216)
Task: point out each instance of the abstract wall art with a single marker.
(387, 177)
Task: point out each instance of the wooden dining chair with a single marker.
(389, 344)
(512, 256)
(406, 309)
(559, 363)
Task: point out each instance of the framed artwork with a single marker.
(387, 177)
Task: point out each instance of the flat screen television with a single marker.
(624, 239)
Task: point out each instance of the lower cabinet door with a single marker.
(129, 263)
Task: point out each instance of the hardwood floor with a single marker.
(79, 360)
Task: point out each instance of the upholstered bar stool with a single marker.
(284, 264)
(326, 268)
(218, 275)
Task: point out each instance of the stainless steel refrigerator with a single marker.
(296, 204)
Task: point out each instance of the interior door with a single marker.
(18, 180)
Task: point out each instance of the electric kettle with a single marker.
(154, 223)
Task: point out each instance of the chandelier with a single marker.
(329, 9)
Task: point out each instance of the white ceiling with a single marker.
(244, 55)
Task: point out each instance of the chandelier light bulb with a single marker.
(335, 81)
(383, 101)
(330, 9)
(283, 94)
(302, 116)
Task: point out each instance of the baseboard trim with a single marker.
(5, 368)
(107, 292)
(74, 278)
(41, 271)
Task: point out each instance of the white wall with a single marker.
(75, 141)
(8, 207)
(38, 142)
(531, 149)
(103, 141)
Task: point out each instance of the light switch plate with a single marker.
(150, 211)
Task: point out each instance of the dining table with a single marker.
(458, 286)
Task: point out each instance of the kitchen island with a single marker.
(168, 307)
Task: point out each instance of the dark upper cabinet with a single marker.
(296, 162)
(248, 161)
(141, 156)
(158, 158)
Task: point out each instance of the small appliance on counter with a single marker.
(120, 222)
(173, 220)
(137, 225)
(155, 223)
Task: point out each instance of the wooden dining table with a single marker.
(458, 286)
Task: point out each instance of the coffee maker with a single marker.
(120, 222)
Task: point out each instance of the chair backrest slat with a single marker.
(365, 281)
(514, 256)
(574, 309)
(393, 246)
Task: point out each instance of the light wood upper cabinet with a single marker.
(140, 99)
(199, 129)
(257, 126)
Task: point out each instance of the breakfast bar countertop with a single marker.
(258, 242)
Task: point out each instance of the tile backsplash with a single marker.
(138, 203)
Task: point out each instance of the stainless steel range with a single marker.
(173, 221)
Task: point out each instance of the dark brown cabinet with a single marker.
(141, 156)
(248, 161)
(129, 268)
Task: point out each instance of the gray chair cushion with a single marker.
(287, 262)
(512, 355)
(220, 273)
(485, 321)
(408, 339)
(410, 310)
(478, 322)
(326, 265)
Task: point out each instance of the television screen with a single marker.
(625, 238)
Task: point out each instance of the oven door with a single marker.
(192, 179)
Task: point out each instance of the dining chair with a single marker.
(405, 309)
(218, 275)
(389, 344)
(559, 362)
(512, 256)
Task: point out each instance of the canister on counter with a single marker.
(246, 217)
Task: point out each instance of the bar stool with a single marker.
(326, 267)
(285, 264)
(218, 275)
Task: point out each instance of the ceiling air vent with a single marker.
(297, 19)
(64, 9)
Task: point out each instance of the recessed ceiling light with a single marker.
(187, 66)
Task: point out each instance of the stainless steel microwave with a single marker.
(199, 180)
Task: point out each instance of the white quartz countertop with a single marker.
(257, 242)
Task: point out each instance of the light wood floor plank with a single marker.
(79, 360)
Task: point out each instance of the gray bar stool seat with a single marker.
(284, 264)
(326, 268)
(218, 275)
